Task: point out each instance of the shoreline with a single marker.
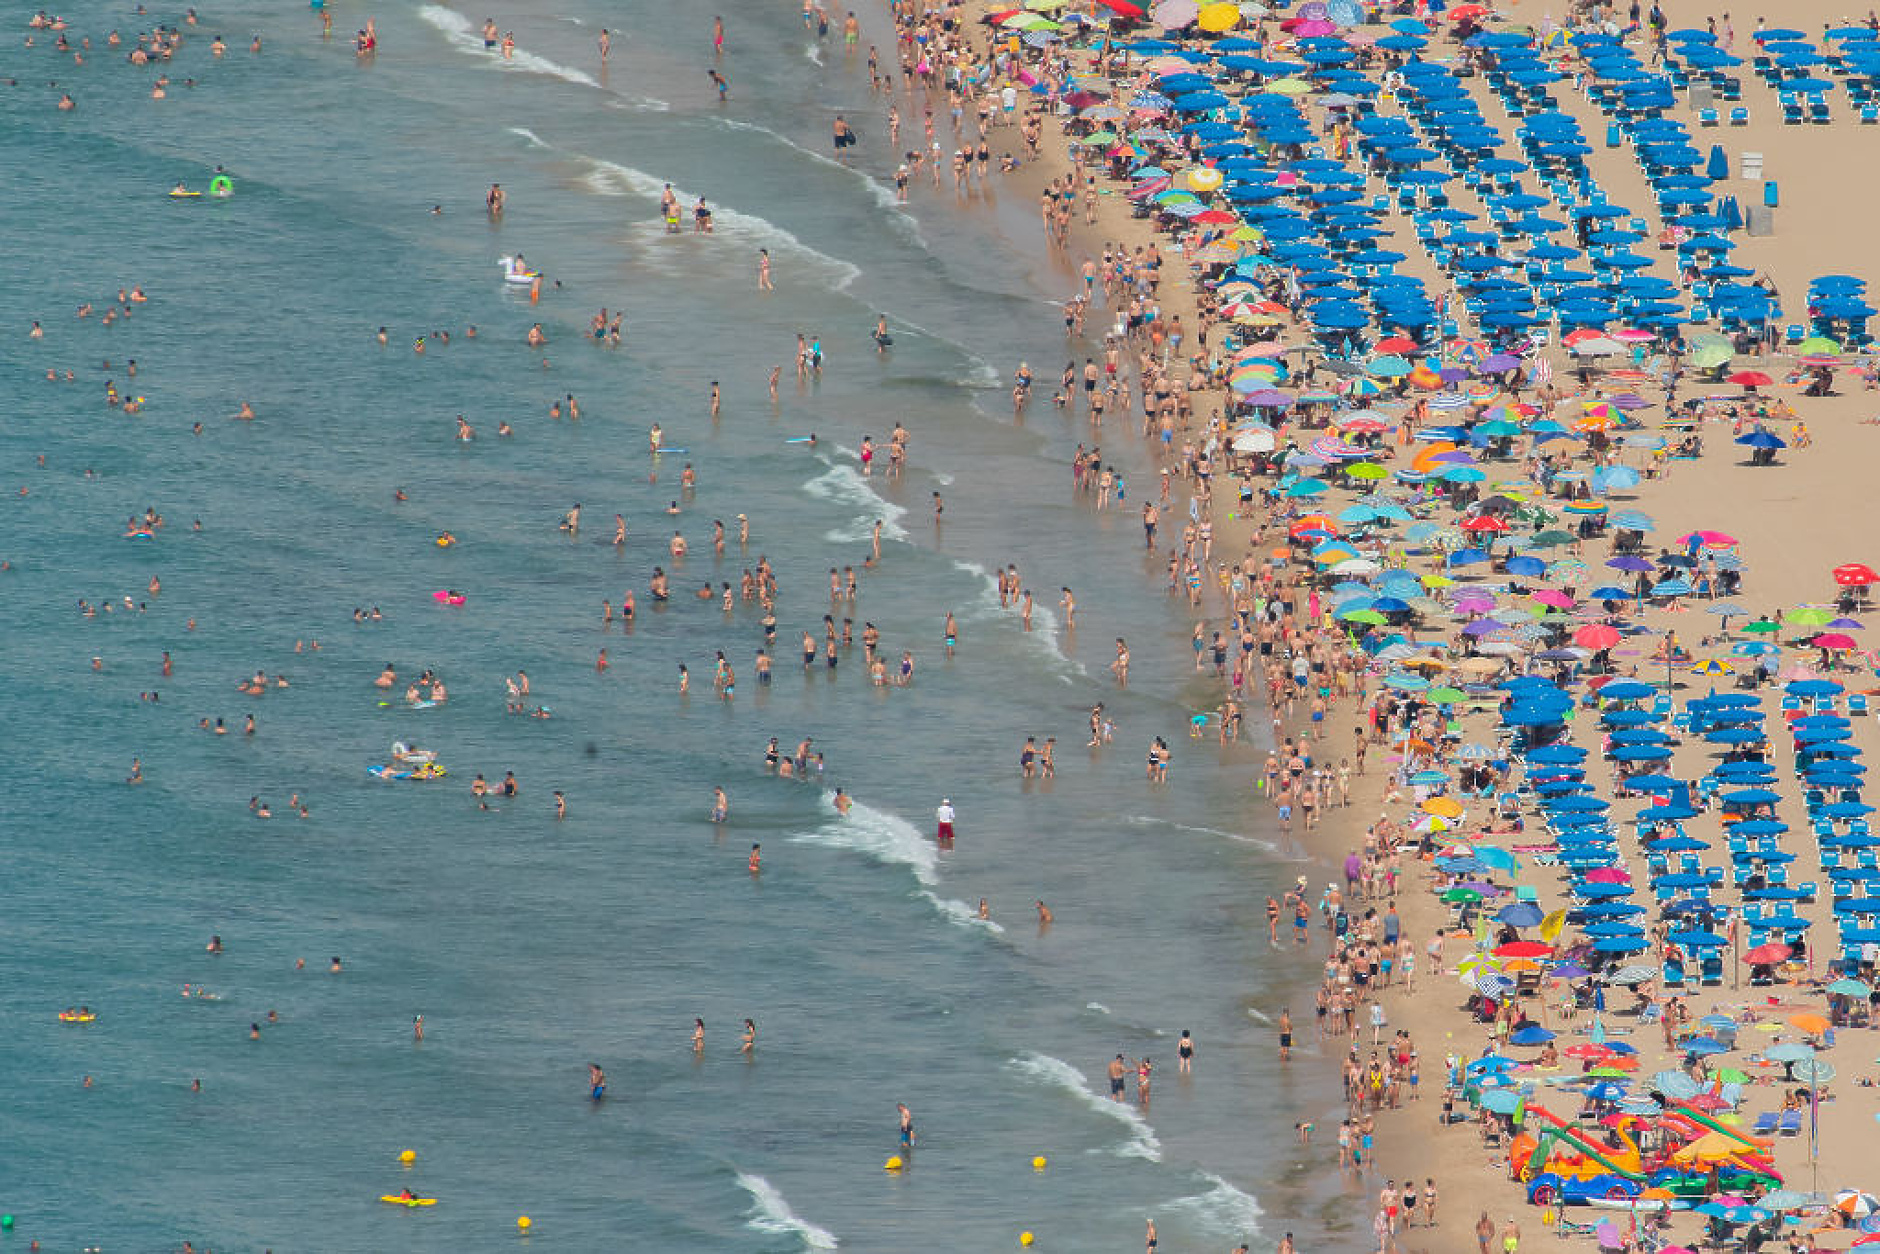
(1457, 1162)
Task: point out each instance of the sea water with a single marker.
(533, 947)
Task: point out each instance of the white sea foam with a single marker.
(463, 35)
(610, 178)
(535, 141)
(843, 484)
(885, 837)
(883, 195)
(1149, 820)
(1097, 1006)
(1223, 1210)
(771, 1213)
(960, 913)
(1043, 635)
(639, 104)
(813, 53)
(1058, 1074)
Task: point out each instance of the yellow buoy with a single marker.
(1025, 1238)
(522, 1222)
(408, 1157)
(1038, 1163)
(893, 1164)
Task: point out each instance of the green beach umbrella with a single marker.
(1761, 626)
(1366, 470)
(1548, 539)
(1446, 696)
(1807, 616)
(1711, 352)
(1460, 895)
(1817, 344)
(1288, 87)
(1372, 617)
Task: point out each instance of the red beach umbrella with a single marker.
(1524, 949)
(1855, 575)
(1596, 636)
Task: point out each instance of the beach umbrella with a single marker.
(1856, 1204)
(1675, 1085)
(1501, 1101)
(1218, 17)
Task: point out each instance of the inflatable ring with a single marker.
(447, 597)
(67, 1016)
(221, 186)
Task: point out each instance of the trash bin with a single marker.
(1769, 193)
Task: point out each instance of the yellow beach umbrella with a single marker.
(1218, 17)
(1250, 234)
(1288, 87)
(1203, 179)
(1448, 807)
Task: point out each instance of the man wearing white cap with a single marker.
(943, 818)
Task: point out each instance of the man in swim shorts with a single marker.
(1117, 1071)
(943, 820)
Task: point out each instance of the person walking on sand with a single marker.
(1510, 1236)
(1484, 1232)
(1285, 1035)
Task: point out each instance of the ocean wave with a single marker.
(610, 178)
(981, 375)
(1149, 820)
(463, 35)
(1043, 635)
(1223, 1210)
(771, 1213)
(639, 104)
(883, 194)
(1058, 1074)
(535, 141)
(1097, 1006)
(885, 837)
(843, 484)
(960, 913)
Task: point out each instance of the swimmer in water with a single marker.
(721, 810)
(698, 1036)
(597, 1081)
(748, 1041)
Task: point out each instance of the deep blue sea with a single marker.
(532, 946)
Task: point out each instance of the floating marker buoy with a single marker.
(6, 1223)
(1038, 1163)
(408, 1157)
(893, 1164)
(522, 1222)
(1025, 1238)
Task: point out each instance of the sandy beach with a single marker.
(1789, 524)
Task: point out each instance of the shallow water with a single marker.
(530, 946)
